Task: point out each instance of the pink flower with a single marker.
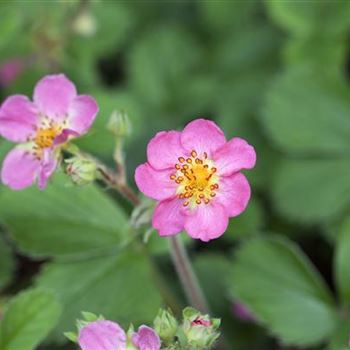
(102, 335)
(195, 176)
(108, 335)
(41, 128)
(146, 338)
(10, 70)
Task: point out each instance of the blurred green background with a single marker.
(273, 72)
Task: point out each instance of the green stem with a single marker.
(187, 276)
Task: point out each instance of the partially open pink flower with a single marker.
(102, 335)
(195, 176)
(41, 127)
(146, 338)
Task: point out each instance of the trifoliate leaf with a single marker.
(29, 317)
(282, 288)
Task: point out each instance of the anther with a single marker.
(194, 154)
(172, 177)
(213, 170)
(201, 195)
(206, 200)
(198, 201)
(212, 194)
(186, 204)
(177, 166)
(205, 155)
(189, 160)
(181, 159)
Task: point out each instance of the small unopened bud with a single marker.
(129, 334)
(166, 326)
(119, 124)
(200, 330)
(81, 170)
(84, 24)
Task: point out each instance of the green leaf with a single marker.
(342, 266)
(118, 287)
(7, 263)
(251, 51)
(312, 190)
(282, 288)
(316, 51)
(225, 16)
(304, 18)
(63, 220)
(28, 319)
(308, 113)
(340, 339)
(160, 63)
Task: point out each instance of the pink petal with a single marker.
(82, 113)
(168, 217)
(207, 222)
(164, 150)
(155, 184)
(234, 156)
(64, 136)
(233, 193)
(48, 167)
(202, 135)
(146, 338)
(18, 118)
(53, 95)
(20, 169)
(102, 335)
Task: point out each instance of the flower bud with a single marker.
(166, 325)
(200, 330)
(129, 334)
(81, 170)
(85, 24)
(119, 124)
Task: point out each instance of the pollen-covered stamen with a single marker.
(196, 178)
(45, 137)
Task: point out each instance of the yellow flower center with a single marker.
(45, 136)
(196, 178)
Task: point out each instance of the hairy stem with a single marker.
(187, 276)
